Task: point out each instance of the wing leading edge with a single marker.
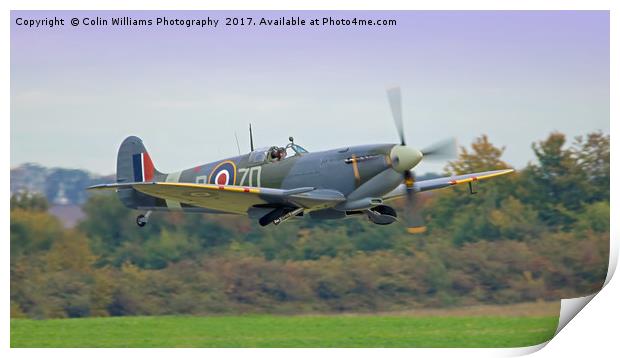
(438, 183)
(232, 198)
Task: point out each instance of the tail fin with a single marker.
(134, 163)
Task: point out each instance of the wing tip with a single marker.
(506, 171)
(496, 173)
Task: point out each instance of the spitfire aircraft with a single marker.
(274, 184)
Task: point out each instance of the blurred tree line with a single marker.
(539, 234)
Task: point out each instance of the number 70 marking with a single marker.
(253, 172)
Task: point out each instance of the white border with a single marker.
(593, 330)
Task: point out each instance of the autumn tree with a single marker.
(593, 157)
(565, 178)
(466, 216)
(482, 157)
(32, 231)
(29, 201)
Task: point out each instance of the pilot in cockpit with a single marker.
(277, 153)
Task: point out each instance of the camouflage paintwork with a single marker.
(355, 171)
(329, 184)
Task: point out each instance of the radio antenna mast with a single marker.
(237, 140)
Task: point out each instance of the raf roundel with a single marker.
(222, 177)
(223, 174)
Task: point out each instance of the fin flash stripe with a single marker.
(143, 169)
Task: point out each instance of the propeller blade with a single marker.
(445, 149)
(394, 98)
(413, 219)
(415, 224)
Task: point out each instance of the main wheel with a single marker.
(141, 220)
(382, 215)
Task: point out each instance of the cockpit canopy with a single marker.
(275, 153)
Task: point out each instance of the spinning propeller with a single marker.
(405, 158)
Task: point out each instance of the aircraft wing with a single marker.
(232, 198)
(438, 183)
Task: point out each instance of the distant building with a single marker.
(64, 189)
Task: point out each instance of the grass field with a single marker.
(460, 328)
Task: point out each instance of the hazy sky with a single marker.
(77, 92)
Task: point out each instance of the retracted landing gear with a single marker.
(141, 219)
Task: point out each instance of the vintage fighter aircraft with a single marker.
(274, 184)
